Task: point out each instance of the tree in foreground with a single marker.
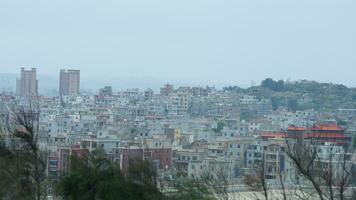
(22, 162)
(93, 177)
(330, 176)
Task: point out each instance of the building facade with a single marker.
(27, 85)
(69, 82)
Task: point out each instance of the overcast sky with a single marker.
(225, 41)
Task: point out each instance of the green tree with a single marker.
(93, 177)
(275, 103)
(22, 162)
(219, 127)
(247, 115)
(273, 85)
(293, 104)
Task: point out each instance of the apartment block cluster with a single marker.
(184, 131)
(27, 84)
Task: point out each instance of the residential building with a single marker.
(178, 104)
(69, 82)
(105, 91)
(27, 85)
(167, 89)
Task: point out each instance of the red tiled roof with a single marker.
(317, 127)
(326, 127)
(295, 128)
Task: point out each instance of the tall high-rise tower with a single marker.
(69, 82)
(27, 85)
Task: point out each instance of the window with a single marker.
(230, 145)
(53, 162)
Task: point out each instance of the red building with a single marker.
(126, 156)
(59, 163)
(157, 150)
(162, 157)
(327, 133)
(319, 132)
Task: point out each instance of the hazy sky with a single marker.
(233, 41)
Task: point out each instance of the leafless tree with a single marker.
(218, 182)
(328, 176)
(258, 180)
(283, 186)
(22, 143)
(304, 162)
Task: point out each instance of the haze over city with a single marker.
(177, 100)
(189, 42)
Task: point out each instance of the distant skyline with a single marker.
(227, 42)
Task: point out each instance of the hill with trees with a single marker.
(301, 95)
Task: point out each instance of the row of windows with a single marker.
(61, 124)
(193, 166)
(187, 157)
(238, 154)
(231, 146)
